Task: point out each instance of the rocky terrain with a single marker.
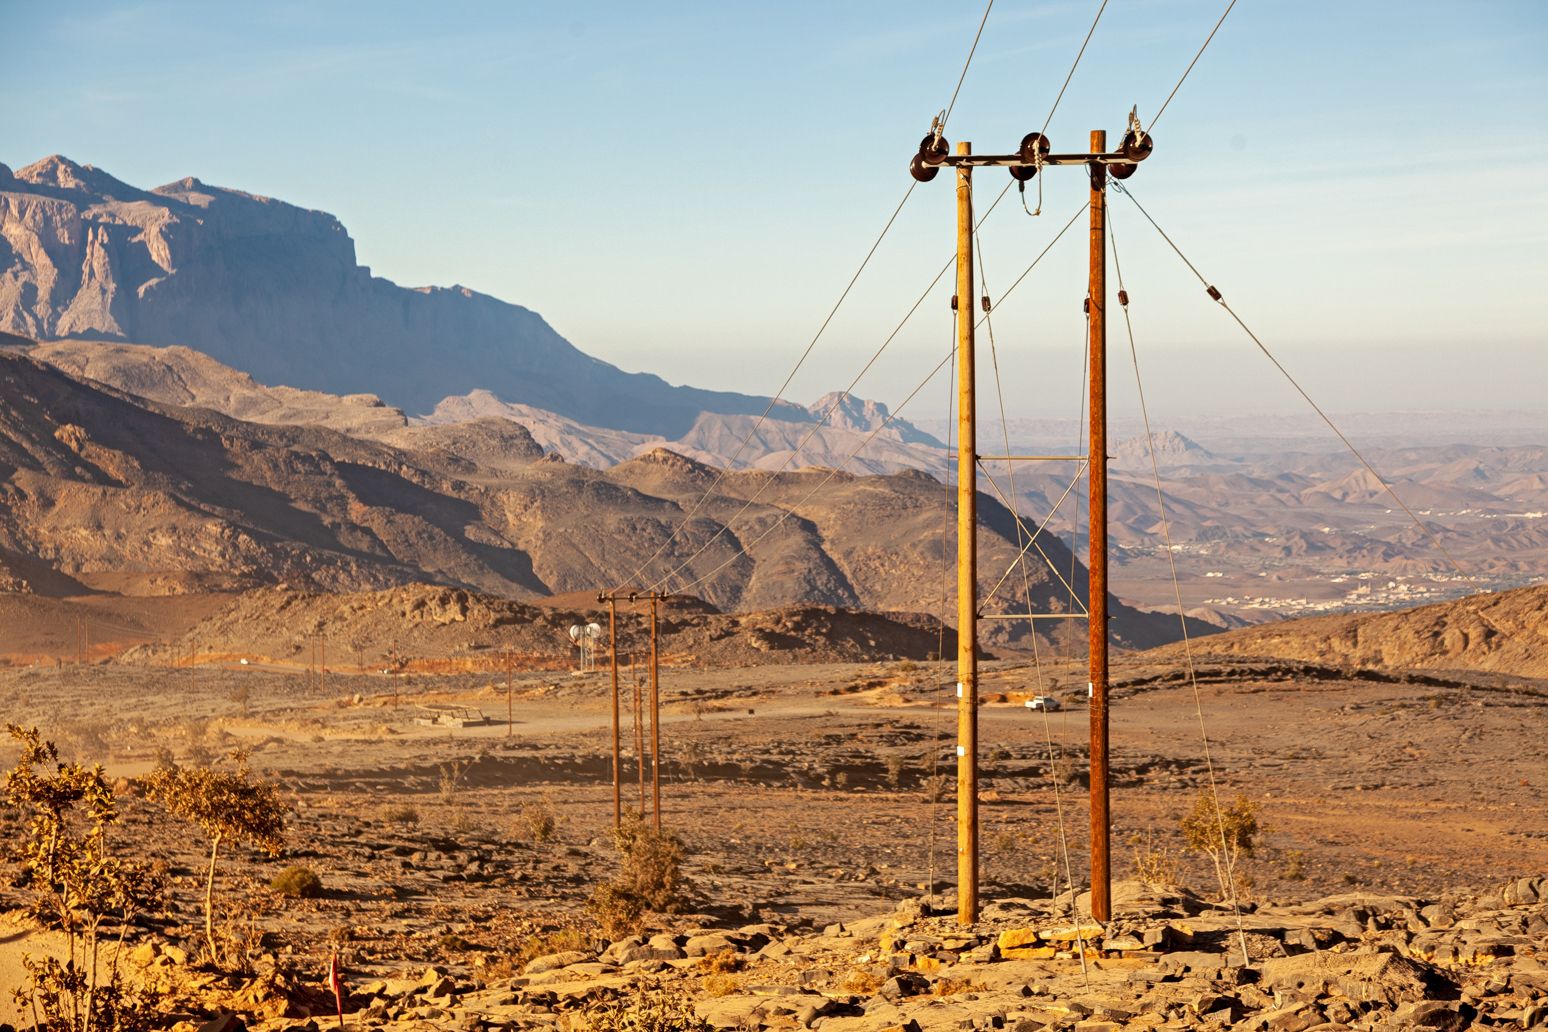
(421, 627)
(1504, 632)
(1390, 887)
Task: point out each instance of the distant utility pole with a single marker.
(1032, 156)
(654, 599)
(510, 710)
(612, 648)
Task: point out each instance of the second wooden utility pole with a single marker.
(967, 560)
(1096, 594)
(655, 719)
(612, 642)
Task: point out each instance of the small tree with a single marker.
(226, 805)
(1223, 833)
(79, 884)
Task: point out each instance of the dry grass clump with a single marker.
(551, 939)
(404, 816)
(648, 1010)
(861, 982)
(297, 882)
(1155, 863)
(955, 986)
(538, 822)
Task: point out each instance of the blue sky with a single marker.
(685, 188)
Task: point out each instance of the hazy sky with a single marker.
(685, 187)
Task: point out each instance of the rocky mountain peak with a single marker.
(61, 173)
(1171, 448)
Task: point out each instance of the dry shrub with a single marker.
(721, 984)
(721, 962)
(78, 884)
(226, 805)
(650, 877)
(297, 882)
(1223, 833)
(651, 1009)
(540, 821)
(1155, 864)
(954, 986)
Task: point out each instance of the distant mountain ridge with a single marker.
(274, 290)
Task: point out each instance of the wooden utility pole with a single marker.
(654, 599)
(612, 642)
(1096, 595)
(1032, 157)
(655, 719)
(639, 732)
(510, 705)
(967, 559)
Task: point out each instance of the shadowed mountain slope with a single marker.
(105, 491)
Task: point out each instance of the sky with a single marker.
(686, 188)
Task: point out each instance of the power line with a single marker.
(971, 51)
(1348, 444)
(842, 396)
(1182, 616)
(741, 447)
(1078, 55)
(786, 512)
(1162, 110)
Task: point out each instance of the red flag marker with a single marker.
(336, 983)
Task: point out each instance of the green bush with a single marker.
(297, 883)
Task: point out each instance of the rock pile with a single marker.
(1167, 960)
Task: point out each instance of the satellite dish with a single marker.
(593, 631)
(575, 632)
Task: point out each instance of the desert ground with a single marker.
(805, 794)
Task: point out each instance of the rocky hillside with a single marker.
(422, 625)
(275, 290)
(1501, 632)
(109, 492)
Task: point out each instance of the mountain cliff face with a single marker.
(274, 290)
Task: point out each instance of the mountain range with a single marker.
(106, 491)
(275, 291)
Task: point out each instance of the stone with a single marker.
(1444, 1015)
(1526, 891)
(553, 961)
(713, 942)
(1295, 1018)
(903, 984)
(223, 1022)
(1356, 976)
